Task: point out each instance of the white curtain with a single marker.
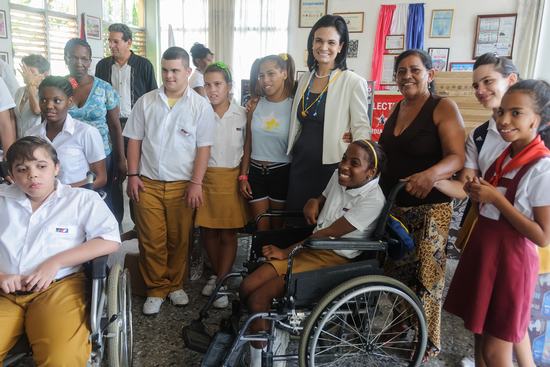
(528, 28)
(189, 21)
(399, 19)
(221, 15)
(261, 29)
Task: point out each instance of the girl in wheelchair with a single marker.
(47, 231)
(349, 207)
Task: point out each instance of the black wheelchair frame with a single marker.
(379, 320)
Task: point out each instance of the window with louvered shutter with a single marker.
(138, 41)
(37, 29)
(129, 12)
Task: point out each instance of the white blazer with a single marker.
(346, 110)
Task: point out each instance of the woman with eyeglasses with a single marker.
(95, 102)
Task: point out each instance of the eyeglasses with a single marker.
(74, 59)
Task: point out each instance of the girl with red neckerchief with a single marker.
(493, 286)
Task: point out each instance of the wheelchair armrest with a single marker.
(252, 225)
(345, 244)
(99, 267)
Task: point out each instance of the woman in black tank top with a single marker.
(424, 142)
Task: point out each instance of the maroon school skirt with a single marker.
(494, 282)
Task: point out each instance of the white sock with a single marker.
(280, 344)
(255, 357)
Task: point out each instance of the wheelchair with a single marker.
(345, 315)
(110, 315)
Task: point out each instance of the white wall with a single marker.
(460, 43)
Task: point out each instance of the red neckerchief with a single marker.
(534, 150)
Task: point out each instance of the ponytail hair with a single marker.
(285, 62)
(539, 91)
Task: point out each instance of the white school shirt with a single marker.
(360, 206)
(170, 136)
(490, 150)
(66, 219)
(196, 79)
(121, 78)
(77, 145)
(227, 150)
(25, 117)
(6, 99)
(533, 190)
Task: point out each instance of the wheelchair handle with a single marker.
(390, 201)
(270, 213)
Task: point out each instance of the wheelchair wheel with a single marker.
(120, 332)
(366, 321)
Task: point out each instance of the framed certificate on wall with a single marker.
(311, 11)
(495, 33)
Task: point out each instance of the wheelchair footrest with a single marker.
(217, 351)
(195, 337)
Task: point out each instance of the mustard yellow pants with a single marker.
(164, 225)
(55, 322)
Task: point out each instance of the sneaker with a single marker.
(222, 301)
(280, 344)
(178, 298)
(209, 286)
(152, 305)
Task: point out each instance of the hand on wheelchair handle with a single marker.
(10, 283)
(420, 184)
(272, 252)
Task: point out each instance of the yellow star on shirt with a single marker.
(271, 124)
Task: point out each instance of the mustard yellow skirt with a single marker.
(223, 206)
(544, 259)
(308, 260)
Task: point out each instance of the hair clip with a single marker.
(284, 56)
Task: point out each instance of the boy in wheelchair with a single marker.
(47, 231)
(349, 207)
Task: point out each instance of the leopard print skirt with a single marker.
(424, 269)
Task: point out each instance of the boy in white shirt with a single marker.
(50, 231)
(170, 132)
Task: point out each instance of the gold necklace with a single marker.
(304, 108)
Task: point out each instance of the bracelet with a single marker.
(132, 174)
(243, 178)
(195, 182)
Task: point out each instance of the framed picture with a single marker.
(311, 11)
(495, 33)
(440, 58)
(353, 48)
(442, 23)
(461, 66)
(388, 63)
(3, 25)
(93, 27)
(4, 56)
(395, 42)
(354, 20)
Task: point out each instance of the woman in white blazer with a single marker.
(330, 101)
